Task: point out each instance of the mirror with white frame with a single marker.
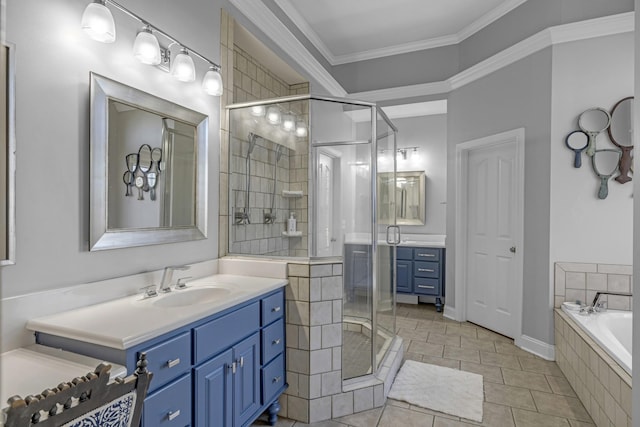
(410, 197)
(7, 154)
(148, 168)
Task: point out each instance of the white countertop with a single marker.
(413, 240)
(129, 321)
(32, 369)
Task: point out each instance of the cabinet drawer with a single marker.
(272, 379)
(221, 333)
(169, 406)
(426, 269)
(272, 341)
(404, 253)
(272, 308)
(426, 254)
(426, 286)
(169, 359)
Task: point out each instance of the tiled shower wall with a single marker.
(314, 326)
(580, 282)
(245, 79)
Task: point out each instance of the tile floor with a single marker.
(520, 389)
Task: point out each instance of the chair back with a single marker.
(85, 401)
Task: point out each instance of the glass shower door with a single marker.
(388, 235)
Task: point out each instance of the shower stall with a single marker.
(315, 160)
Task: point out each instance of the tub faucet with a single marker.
(598, 306)
(167, 275)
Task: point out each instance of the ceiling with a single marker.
(354, 30)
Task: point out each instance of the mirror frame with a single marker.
(422, 177)
(102, 90)
(10, 134)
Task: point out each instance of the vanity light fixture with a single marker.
(414, 154)
(273, 115)
(257, 110)
(288, 122)
(301, 129)
(146, 47)
(98, 23)
(183, 68)
(212, 82)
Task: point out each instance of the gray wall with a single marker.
(636, 232)
(53, 61)
(518, 95)
(429, 133)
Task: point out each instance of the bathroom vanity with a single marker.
(216, 349)
(420, 272)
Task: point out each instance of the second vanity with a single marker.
(216, 348)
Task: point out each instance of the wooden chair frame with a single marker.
(91, 392)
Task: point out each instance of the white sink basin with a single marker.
(191, 296)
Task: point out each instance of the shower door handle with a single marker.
(396, 234)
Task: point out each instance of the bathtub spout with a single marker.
(597, 306)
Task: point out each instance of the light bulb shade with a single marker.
(273, 115)
(182, 67)
(257, 110)
(301, 129)
(146, 47)
(97, 22)
(415, 155)
(288, 122)
(212, 82)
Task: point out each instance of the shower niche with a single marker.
(314, 160)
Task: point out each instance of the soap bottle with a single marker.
(291, 223)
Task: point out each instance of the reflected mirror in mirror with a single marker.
(410, 198)
(148, 160)
(621, 135)
(7, 154)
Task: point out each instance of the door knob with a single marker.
(512, 249)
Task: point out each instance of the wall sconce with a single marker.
(98, 23)
(401, 153)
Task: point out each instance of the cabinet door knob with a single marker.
(276, 309)
(276, 342)
(233, 367)
(172, 363)
(172, 415)
(512, 249)
(276, 379)
(242, 362)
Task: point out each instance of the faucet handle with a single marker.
(181, 282)
(149, 291)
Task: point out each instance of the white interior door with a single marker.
(493, 271)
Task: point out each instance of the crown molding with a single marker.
(402, 92)
(269, 24)
(591, 28)
(488, 18)
(305, 28)
(447, 40)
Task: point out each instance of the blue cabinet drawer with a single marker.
(272, 378)
(223, 332)
(404, 253)
(272, 308)
(426, 254)
(169, 359)
(169, 406)
(426, 269)
(424, 286)
(272, 341)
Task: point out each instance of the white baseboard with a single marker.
(450, 313)
(537, 347)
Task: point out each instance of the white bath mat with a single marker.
(440, 389)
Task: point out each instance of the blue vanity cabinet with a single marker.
(420, 272)
(220, 371)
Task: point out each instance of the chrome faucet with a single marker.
(167, 276)
(597, 306)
